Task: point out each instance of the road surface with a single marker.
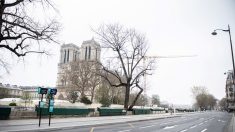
(199, 122)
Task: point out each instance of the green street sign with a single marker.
(51, 108)
(41, 104)
(42, 90)
(39, 89)
(52, 91)
(51, 102)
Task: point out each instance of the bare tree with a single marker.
(106, 93)
(211, 101)
(82, 77)
(223, 104)
(94, 80)
(203, 99)
(130, 50)
(141, 101)
(22, 34)
(196, 90)
(27, 97)
(155, 100)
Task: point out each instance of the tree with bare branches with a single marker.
(203, 99)
(20, 33)
(82, 77)
(129, 48)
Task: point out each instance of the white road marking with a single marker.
(184, 130)
(204, 130)
(200, 124)
(193, 126)
(165, 123)
(221, 121)
(170, 127)
(125, 130)
(146, 126)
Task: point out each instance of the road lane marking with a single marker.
(146, 126)
(184, 130)
(130, 125)
(125, 130)
(193, 126)
(221, 121)
(200, 123)
(170, 127)
(165, 123)
(92, 129)
(203, 130)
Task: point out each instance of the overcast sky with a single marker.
(173, 27)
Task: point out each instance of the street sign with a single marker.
(41, 104)
(51, 102)
(42, 90)
(51, 108)
(52, 91)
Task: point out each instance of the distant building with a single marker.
(31, 91)
(89, 51)
(14, 91)
(10, 91)
(229, 89)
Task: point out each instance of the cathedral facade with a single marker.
(88, 51)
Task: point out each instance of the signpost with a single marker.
(50, 92)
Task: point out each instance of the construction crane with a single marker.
(159, 57)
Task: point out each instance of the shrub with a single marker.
(12, 104)
(105, 101)
(85, 100)
(72, 96)
(61, 97)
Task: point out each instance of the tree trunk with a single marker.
(136, 98)
(92, 95)
(127, 95)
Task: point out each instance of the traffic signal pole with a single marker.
(40, 111)
(49, 109)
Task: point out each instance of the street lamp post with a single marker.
(231, 46)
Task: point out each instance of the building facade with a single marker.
(14, 91)
(88, 51)
(229, 89)
(10, 91)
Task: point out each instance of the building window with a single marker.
(230, 89)
(64, 56)
(86, 54)
(68, 56)
(96, 53)
(230, 94)
(89, 57)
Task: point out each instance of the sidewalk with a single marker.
(231, 125)
(63, 123)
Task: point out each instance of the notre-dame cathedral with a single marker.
(89, 51)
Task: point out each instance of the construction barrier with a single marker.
(5, 113)
(66, 111)
(105, 111)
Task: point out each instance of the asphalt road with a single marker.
(199, 122)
